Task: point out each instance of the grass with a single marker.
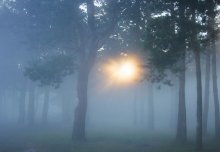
(59, 140)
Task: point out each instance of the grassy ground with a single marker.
(59, 140)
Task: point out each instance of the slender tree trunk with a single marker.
(196, 49)
(199, 130)
(206, 98)
(135, 109)
(215, 92)
(31, 105)
(66, 109)
(151, 122)
(181, 134)
(142, 107)
(173, 106)
(21, 116)
(1, 104)
(46, 106)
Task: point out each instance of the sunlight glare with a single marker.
(122, 71)
(125, 71)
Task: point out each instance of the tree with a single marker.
(151, 108)
(92, 35)
(49, 71)
(207, 89)
(166, 42)
(31, 104)
(91, 25)
(22, 113)
(196, 49)
(213, 37)
(46, 106)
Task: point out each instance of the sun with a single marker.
(122, 70)
(125, 71)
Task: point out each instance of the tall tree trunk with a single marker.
(46, 106)
(212, 14)
(81, 109)
(88, 46)
(151, 122)
(215, 92)
(31, 105)
(206, 97)
(1, 104)
(66, 108)
(82, 87)
(199, 130)
(21, 116)
(181, 134)
(196, 49)
(173, 105)
(135, 116)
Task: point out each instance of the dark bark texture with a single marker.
(181, 134)
(206, 97)
(199, 138)
(215, 93)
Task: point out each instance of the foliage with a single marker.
(50, 70)
(161, 41)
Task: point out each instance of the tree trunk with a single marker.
(88, 46)
(46, 106)
(1, 104)
(151, 122)
(215, 92)
(80, 111)
(206, 97)
(181, 122)
(181, 134)
(173, 105)
(31, 105)
(66, 108)
(21, 116)
(199, 139)
(135, 116)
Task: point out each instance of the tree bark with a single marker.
(46, 106)
(1, 104)
(31, 105)
(181, 134)
(215, 93)
(206, 97)
(199, 100)
(196, 51)
(174, 105)
(88, 46)
(66, 108)
(81, 109)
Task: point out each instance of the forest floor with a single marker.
(59, 140)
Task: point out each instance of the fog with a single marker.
(80, 76)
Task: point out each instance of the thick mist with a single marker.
(103, 76)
